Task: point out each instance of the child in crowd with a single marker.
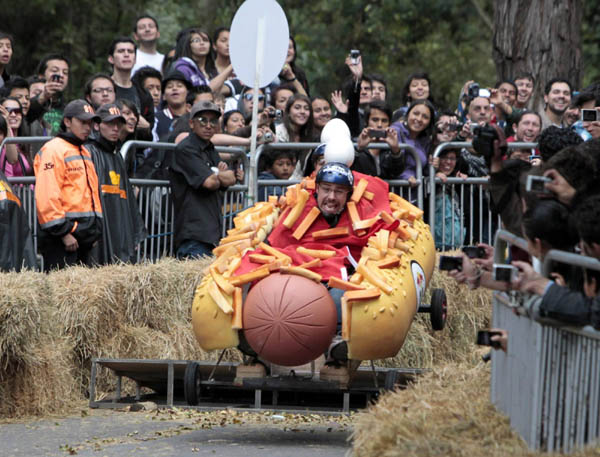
(278, 164)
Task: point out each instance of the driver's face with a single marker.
(331, 198)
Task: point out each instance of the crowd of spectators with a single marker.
(154, 97)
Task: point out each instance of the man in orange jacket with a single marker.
(68, 204)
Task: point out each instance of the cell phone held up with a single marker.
(449, 263)
(474, 252)
(484, 338)
(536, 184)
(377, 134)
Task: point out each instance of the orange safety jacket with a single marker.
(66, 190)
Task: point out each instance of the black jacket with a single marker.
(123, 228)
(197, 210)
(16, 245)
(570, 307)
(505, 191)
(390, 166)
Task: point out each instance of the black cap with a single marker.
(202, 106)
(109, 112)
(81, 110)
(175, 75)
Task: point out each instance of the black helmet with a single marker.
(336, 173)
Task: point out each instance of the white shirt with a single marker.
(143, 59)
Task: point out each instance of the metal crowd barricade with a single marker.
(548, 382)
(154, 200)
(470, 196)
(156, 204)
(398, 186)
(25, 140)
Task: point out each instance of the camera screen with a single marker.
(503, 273)
(589, 115)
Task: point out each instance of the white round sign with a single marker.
(258, 41)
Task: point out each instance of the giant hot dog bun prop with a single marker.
(380, 233)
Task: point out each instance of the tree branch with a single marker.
(483, 15)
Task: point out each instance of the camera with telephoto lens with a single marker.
(483, 141)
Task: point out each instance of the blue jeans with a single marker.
(191, 249)
(336, 295)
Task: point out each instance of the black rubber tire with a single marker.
(390, 379)
(439, 309)
(191, 383)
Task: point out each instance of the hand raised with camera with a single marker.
(529, 280)
(502, 338)
(287, 73)
(487, 262)
(264, 117)
(560, 186)
(356, 69)
(391, 138)
(466, 131)
(338, 101)
(363, 139)
(51, 88)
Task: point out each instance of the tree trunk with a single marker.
(541, 37)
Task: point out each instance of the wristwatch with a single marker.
(215, 170)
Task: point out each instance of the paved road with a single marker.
(182, 433)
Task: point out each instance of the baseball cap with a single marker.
(109, 112)
(202, 106)
(81, 110)
(175, 75)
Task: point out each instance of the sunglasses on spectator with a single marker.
(203, 121)
(14, 110)
(250, 97)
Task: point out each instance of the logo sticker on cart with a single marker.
(420, 281)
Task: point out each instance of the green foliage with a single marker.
(448, 39)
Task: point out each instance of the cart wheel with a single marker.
(390, 379)
(439, 309)
(191, 383)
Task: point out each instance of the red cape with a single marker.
(281, 237)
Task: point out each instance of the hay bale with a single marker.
(447, 412)
(23, 311)
(46, 386)
(162, 292)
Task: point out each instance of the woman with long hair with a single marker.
(297, 121)
(416, 87)
(193, 58)
(297, 127)
(292, 73)
(417, 131)
(220, 49)
(14, 159)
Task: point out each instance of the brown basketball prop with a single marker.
(288, 319)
